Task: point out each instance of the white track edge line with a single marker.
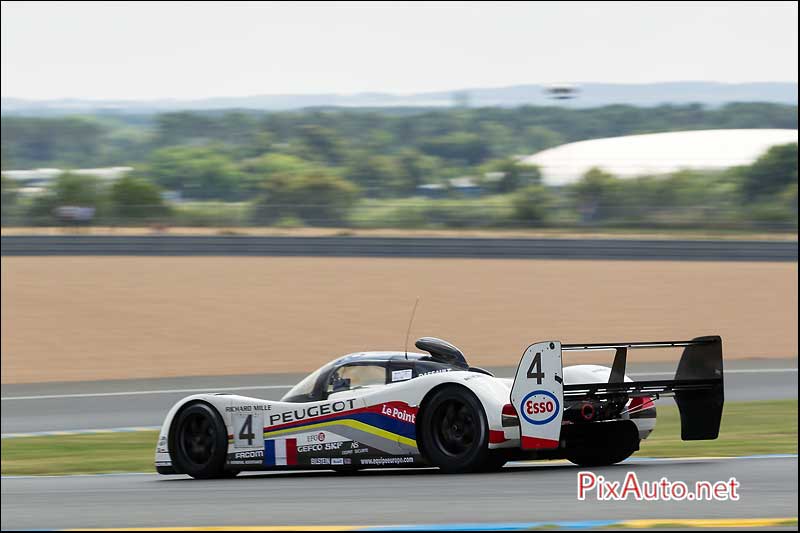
(211, 390)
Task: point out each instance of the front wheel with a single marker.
(454, 431)
(199, 442)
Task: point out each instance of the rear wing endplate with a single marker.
(538, 396)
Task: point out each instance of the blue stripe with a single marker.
(387, 423)
(269, 452)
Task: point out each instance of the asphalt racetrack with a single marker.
(348, 246)
(47, 407)
(523, 492)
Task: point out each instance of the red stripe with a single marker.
(535, 443)
(291, 451)
(640, 403)
(496, 437)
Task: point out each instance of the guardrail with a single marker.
(344, 246)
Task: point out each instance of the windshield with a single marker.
(303, 391)
(351, 377)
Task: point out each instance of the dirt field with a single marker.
(80, 318)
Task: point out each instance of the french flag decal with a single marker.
(280, 452)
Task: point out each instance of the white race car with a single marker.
(391, 409)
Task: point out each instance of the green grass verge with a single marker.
(80, 454)
(747, 428)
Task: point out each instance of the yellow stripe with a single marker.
(355, 424)
(711, 522)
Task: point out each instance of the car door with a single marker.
(376, 428)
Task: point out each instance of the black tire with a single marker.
(454, 431)
(198, 442)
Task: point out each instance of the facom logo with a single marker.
(539, 407)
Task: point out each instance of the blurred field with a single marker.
(85, 318)
(748, 428)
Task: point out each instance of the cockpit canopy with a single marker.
(358, 370)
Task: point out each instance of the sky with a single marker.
(190, 50)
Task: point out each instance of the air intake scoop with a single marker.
(441, 350)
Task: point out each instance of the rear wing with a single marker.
(697, 386)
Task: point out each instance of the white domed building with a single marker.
(657, 153)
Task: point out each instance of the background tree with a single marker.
(322, 144)
(69, 191)
(313, 195)
(256, 171)
(377, 175)
(78, 190)
(508, 175)
(464, 137)
(67, 141)
(771, 173)
(417, 169)
(532, 205)
(463, 147)
(8, 191)
(8, 199)
(201, 173)
(597, 195)
(537, 138)
(137, 200)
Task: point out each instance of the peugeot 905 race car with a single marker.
(391, 409)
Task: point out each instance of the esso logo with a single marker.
(321, 437)
(539, 407)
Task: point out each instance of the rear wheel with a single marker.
(199, 442)
(454, 431)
